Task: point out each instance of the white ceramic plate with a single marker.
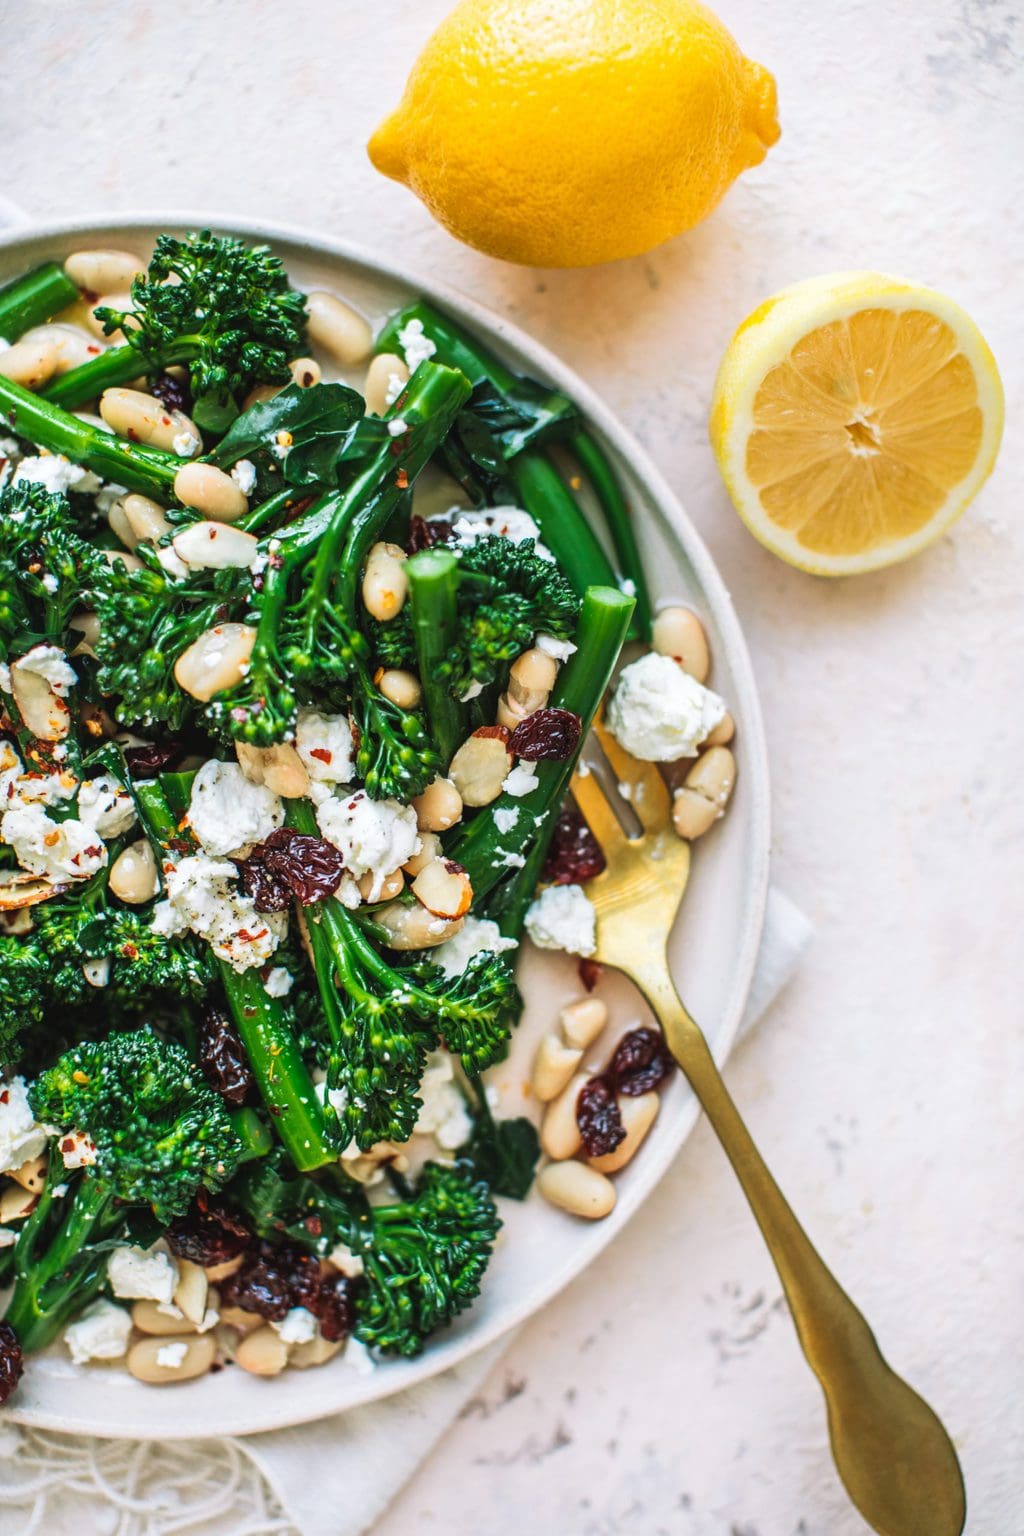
(713, 949)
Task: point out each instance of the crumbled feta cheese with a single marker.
(350, 1264)
(172, 1356)
(8, 1237)
(563, 917)
(561, 650)
(38, 789)
(97, 972)
(227, 812)
(444, 1114)
(326, 746)
(375, 837)
(244, 475)
(627, 587)
(104, 804)
(297, 1326)
(50, 663)
(21, 1135)
(66, 850)
(508, 522)
(397, 426)
(186, 445)
(140, 1274)
(659, 712)
(394, 388)
(476, 935)
(101, 1333)
(77, 1149)
(521, 780)
(51, 470)
(203, 894)
(505, 818)
(416, 346)
(509, 859)
(358, 1358)
(109, 493)
(278, 982)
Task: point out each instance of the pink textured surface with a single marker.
(664, 1390)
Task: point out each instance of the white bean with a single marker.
(553, 1066)
(210, 491)
(88, 626)
(413, 927)
(146, 518)
(213, 546)
(692, 815)
(30, 363)
(402, 688)
(238, 1317)
(74, 346)
(372, 889)
(481, 765)
(338, 328)
(439, 807)
(444, 888)
(191, 1291)
(217, 1272)
(102, 271)
(385, 584)
(531, 678)
(279, 767)
(196, 1360)
(386, 377)
(143, 418)
(314, 1352)
(713, 776)
(583, 1020)
(575, 1188)
(637, 1115)
(262, 1353)
(560, 1133)
(120, 527)
(677, 632)
(43, 712)
(430, 848)
(723, 732)
(217, 660)
(133, 876)
(305, 372)
(147, 1318)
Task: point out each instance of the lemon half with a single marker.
(854, 417)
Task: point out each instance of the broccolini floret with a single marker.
(45, 566)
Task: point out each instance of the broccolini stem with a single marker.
(563, 527)
(113, 367)
(31, 299)
(281, 1074)
(620, 525)
(55, 1284)
(480, 848)
(139, 468)
(433, 592)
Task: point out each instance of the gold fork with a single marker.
(892, 1453)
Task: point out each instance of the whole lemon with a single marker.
(562, 133)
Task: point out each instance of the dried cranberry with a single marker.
(289, 866)
(222, 1056)
(155, 757)
(335, 1307)
(11, 1363)
(597, 1115)
(261, 1285)
(172, 393)
(424, 535)
(642, 1060)
(589, 973)
(209, 1235)
(548, 735)
(575, 853)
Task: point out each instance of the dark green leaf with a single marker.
(326, 424)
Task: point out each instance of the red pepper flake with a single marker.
(322, 754)
(402, 480)
(68, 1144)
(313, 1225)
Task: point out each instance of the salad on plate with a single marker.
(293, 680)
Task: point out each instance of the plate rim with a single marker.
(445, 1355)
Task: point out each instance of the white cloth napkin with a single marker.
(260, 1486)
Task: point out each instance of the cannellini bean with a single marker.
(439, 807)
(305, 372)
(444, 888)
(217, 660)
(143, 418)
(391, 886)
(575, 1188)
(509, 714)
(31, 1175)
(559, 1132)
(385, 584)
(315, 1351)
(260, 393)
(238, 1317)
(713, 776)
(723, 732)
(692, 815)
(402, 688)
(430, 848)
(43, 712)
(386, 377)
(262, 1353)
(191, 1291)
(583, 1020)
(133, 875)
(88, 626)
(196, 1360)
(338, 328)
(146, 517)
(103, 271)
(30, 363)
(279, 767)
(413, 927)
(213, 546)
(73, 345)
(217, 1272)
(210, 491)
(531, 679)
(553, 1066)
(481, 765)
(637, 1115)
(120, 527)
(121, 557)
(677, 632)
(148, 1319)
(15, 1203)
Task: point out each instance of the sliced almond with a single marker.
(212, 546)
(16, 1203)
(19, 888)
(217, 660)
(45, 715)
(31, 1175)
(279, 767)
(444, 888)
(481, 765)
(413, 927)
(191, 1291)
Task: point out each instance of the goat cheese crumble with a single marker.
(507, 522)
(53, 471)
(563, 917)
(101, 1333)
(298, 1326)
(21, 1136)
(106, 806)
(659, 712)
(476, 935)
(522, 779)
(560, 650)
(375, 837)
(50, 663)
(244, 475)
(140, 1274)
(65, 850)
(326, 746)
(278, 982)
(227, 812)
(172, 1356)
(203, 894)
(416, 346)
(444, 1114)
